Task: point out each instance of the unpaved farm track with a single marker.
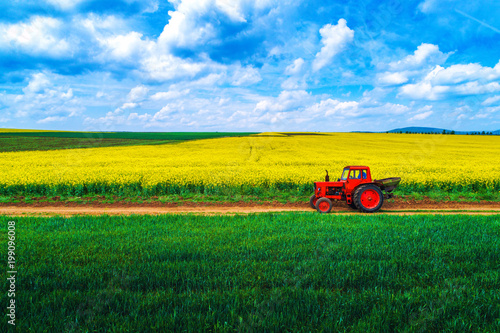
(155, 208)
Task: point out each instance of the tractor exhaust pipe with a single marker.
(327, 178)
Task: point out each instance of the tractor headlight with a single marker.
(319, 189)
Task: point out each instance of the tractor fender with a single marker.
(387, 194)
(370, 183)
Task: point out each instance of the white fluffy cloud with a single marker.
(194, 22)
(44, 101)
(134, 99)
(199, 113)
(425, 57)
(171, 94)
(389, 78)
(148, 6)
(423, 90)
(491, 100)
(127, 47)
(295, 68)
(353, 109)
(51, 119)
(112, 41)
(461, 73)
(165, 113)
(440, 83)
(425, 54)
(244, 76)
(137, 94)
(39, 36)
(286, 101)
(334, 39)
(152, 61)
(166, 67)
(297, 73)
(422, 113)
(101, 26)
(38, 83)
(183, 29)
(421, 116)
(331, 107)
(65, 4)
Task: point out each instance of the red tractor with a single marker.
(356, 187)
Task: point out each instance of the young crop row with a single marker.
(177, 136)
(251, 165)
(266, 272)
(31, 143)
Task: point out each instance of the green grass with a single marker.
(12, 144)
(131, 135)
(28, 141)
(463, 195)
(265, 272)
(17, 130)
(283, 192)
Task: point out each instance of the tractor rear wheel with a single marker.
(368, 198)
(324, 205)
(312, 201)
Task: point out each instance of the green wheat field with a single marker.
(295, 272)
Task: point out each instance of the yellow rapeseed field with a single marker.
(260, 161)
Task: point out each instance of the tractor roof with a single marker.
(356, 167)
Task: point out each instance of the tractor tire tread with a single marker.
(320, 200)
(357, 200)
(312, 201)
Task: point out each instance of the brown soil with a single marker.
(397, 206)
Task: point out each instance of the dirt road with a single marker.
(155, 208)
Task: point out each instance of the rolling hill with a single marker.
(434, 130)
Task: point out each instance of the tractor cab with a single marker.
(355, 172)
(352, 176)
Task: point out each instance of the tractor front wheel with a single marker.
(324, 205)
(368, 198)
(312, 201)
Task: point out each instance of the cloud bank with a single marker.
(186, 65)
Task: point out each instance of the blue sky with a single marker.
(238, 65)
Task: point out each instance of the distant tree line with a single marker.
(481, 133)
(445, 132)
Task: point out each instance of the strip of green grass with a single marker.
(264, 272)
(12, 143)
(201, 198)
(131, 135)
(29, 141)
(278, 192)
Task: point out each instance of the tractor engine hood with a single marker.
(329, 184)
